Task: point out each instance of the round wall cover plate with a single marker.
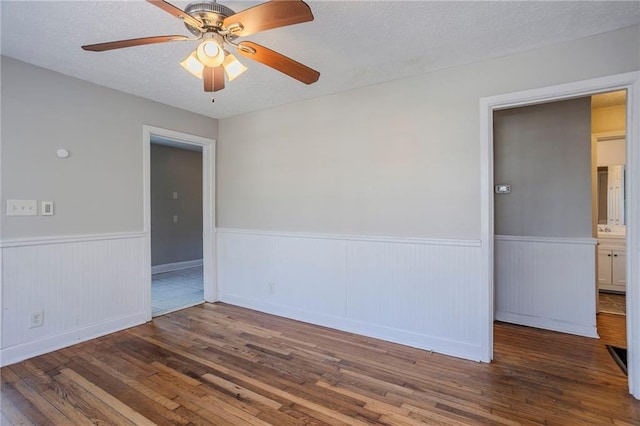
(62, 153)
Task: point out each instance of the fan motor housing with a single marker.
(211, 14)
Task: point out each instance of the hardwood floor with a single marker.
(223, 365)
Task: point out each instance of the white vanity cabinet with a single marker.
(612, 264)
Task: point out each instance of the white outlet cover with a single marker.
(37, 319)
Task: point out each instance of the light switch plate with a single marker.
(22, 207)
(46, 208)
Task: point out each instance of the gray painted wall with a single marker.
(544, 153)
(98, 189)
(175, 170)
(400, 158)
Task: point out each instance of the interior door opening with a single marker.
(561, 239)
(176, 201)
(608, 126)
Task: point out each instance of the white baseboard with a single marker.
(14, 354)
(168, 267)
(548, 324)
(416, 340)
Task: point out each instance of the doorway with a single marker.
(565, 161)
(628, 82)
(608, 127)
(176, 226)
(184, 256)
(545, 250)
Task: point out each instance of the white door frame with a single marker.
(208, 206)
(630, 82)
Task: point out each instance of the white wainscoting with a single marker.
(87, 286)
(418, 292)
(547, 283)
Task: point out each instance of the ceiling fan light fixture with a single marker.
(233, 67)
(214, 26)
(193, 65)
(210, 53)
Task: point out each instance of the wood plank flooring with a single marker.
(216, 364)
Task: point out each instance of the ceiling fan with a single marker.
(217, 25)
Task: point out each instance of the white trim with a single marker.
(208, 206)
(562, 91)
(210, 275)
(176, 136)
(550, 240)
(633, 235)
(370, 238)
(487, 264)
(41, 241)
(175, 266)
(627, 81)
(403, 337)
(18, 353)
(547, 324)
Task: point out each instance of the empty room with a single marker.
(322, 212)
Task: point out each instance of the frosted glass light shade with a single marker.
(233, 67)
(193, 65)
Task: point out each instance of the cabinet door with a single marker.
(604, 266)
(619, 268)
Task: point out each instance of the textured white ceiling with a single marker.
(351, 43)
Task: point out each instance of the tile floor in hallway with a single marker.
(612, 303)
(176, 289)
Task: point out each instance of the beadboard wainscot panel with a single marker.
(547, 283)
(87, 286)
(419, 292)
(424, 295)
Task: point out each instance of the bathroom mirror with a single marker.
(611, 195)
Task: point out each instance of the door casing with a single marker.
(208, 207)
(627, 81)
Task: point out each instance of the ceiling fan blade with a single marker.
(213, 79)
(177, 12)
(278, 62)
(273, 14)
(100, 47)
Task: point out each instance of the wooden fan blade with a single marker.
(213, 79)
(100, 47)
(278, 62)
(177, 12)
(273, 14)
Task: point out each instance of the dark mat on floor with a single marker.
(620, 356)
